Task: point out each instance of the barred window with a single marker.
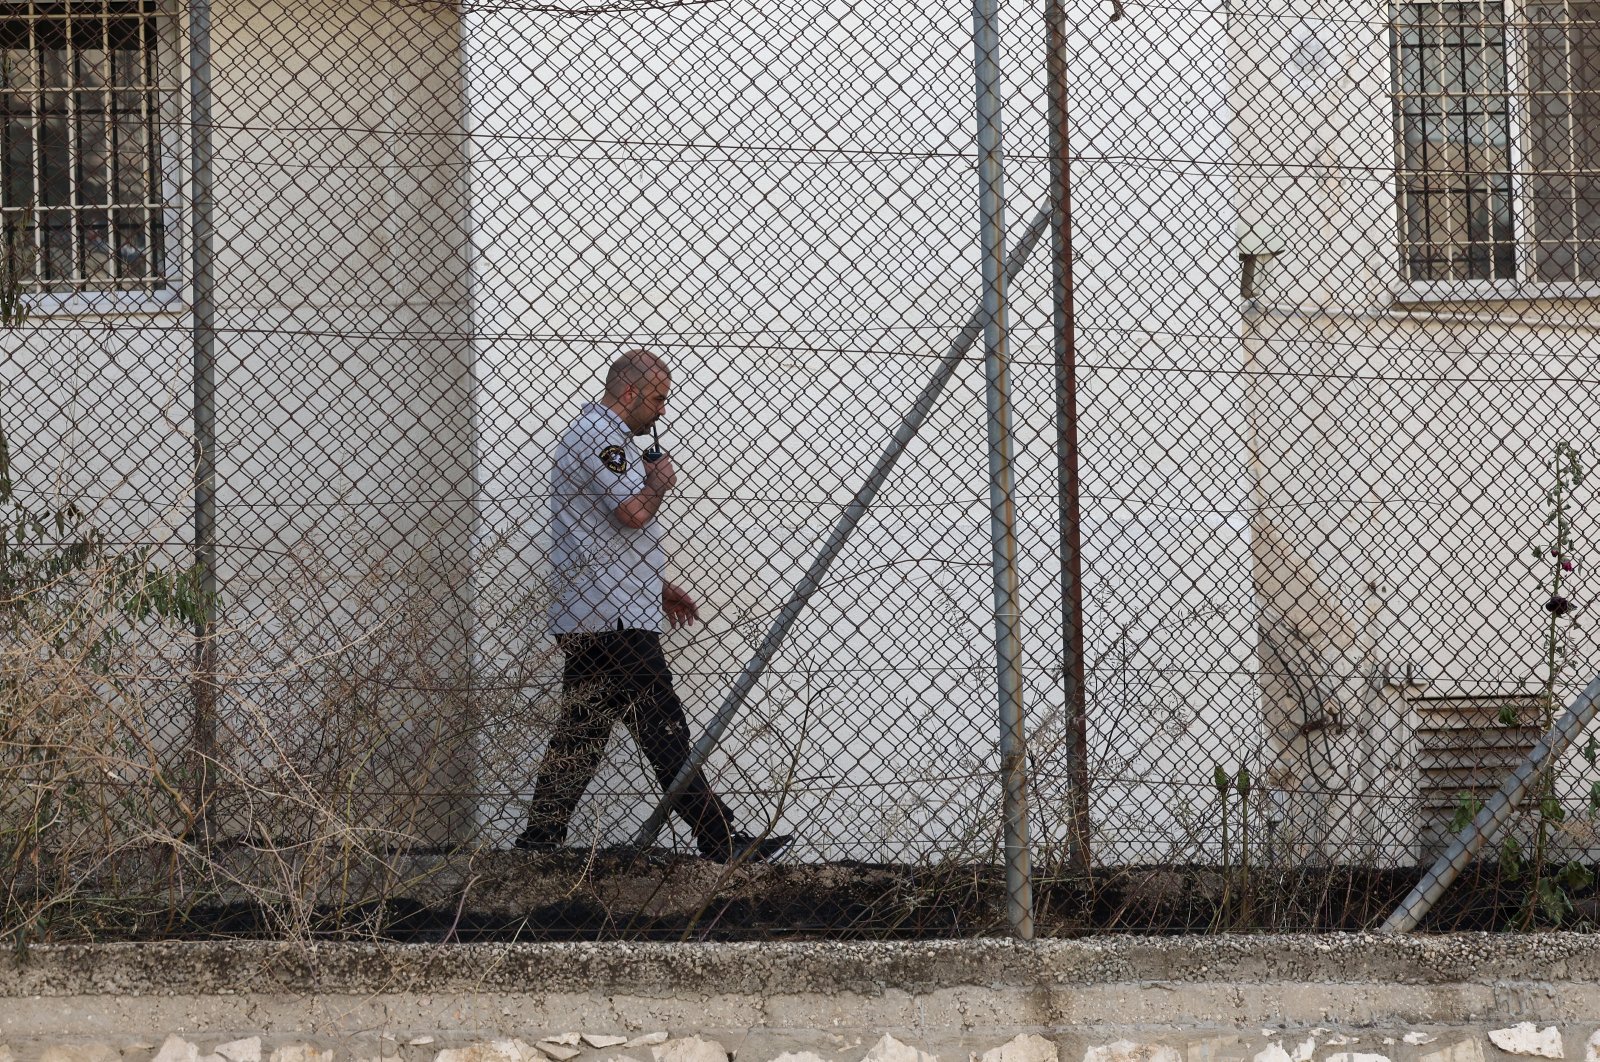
(81, 185)
(1499, 125)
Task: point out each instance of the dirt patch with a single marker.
(625, 894)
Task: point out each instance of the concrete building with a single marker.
(1313, 430)
(785, 203)
(343, 383)
(1415, 210)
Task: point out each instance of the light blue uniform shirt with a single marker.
(602, 573)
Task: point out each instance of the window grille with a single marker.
(1499, 154)
(1563, 185)
(81, 184)
(1455, 142)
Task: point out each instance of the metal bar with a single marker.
(1002, 495)
(75, 175)
(811, 581)
(1415, 907)
(41, 266)
(109, 132)
(1065, 348)
(1573, 153)
(204, 342)
(150, 172)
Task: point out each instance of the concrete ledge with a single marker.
(1236, 994)
(830, 968)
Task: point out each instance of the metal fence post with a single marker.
(204, 340)
(1065, 350)
(1002, 502)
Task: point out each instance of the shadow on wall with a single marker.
(1334, 784)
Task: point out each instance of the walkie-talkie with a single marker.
(652, 453)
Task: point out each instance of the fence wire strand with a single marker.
(279, 636)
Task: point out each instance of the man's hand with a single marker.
(660, 475)
(680, 607)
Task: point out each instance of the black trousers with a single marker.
(610, 677)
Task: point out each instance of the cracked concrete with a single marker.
(1333, 998)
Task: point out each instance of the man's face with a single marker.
(646, 403)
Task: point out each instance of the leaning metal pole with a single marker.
(1065, 350)
(811, 581)
(201, 279)
(1470, 841)
(1002, 496)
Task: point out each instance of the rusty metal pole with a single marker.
(203, 306)
(1073, 678)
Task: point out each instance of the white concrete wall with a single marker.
(345, 413)
(784, 203)
(1399, 448)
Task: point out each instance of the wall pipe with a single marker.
(1470, 841)
(811, 581)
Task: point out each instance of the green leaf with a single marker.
(1467, 808)
(1511, 859)
(1550, 808)
(1553, 901)
(1576, 876)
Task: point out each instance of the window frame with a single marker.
(170, 120)
(1522, 286)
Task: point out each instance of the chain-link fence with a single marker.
(326, 414)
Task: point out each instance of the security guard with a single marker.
(611, 601)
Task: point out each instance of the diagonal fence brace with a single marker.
(954, 354)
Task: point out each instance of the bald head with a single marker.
(631, 369)
(636, 388)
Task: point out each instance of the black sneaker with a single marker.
(745, 848)
(529, 841)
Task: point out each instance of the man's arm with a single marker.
(659, 477)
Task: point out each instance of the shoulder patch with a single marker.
(614, 458)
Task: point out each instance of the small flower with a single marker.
(1566, 566)
(1558, 606)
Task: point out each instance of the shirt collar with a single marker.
(609, 415)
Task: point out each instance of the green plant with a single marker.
(71, 736)
(1557, 550)
(1225, 783)
(1467, 807)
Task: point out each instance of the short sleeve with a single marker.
(610, 466)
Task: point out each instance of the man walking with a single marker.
(611, 602)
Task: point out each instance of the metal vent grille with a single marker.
(1466, 746)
